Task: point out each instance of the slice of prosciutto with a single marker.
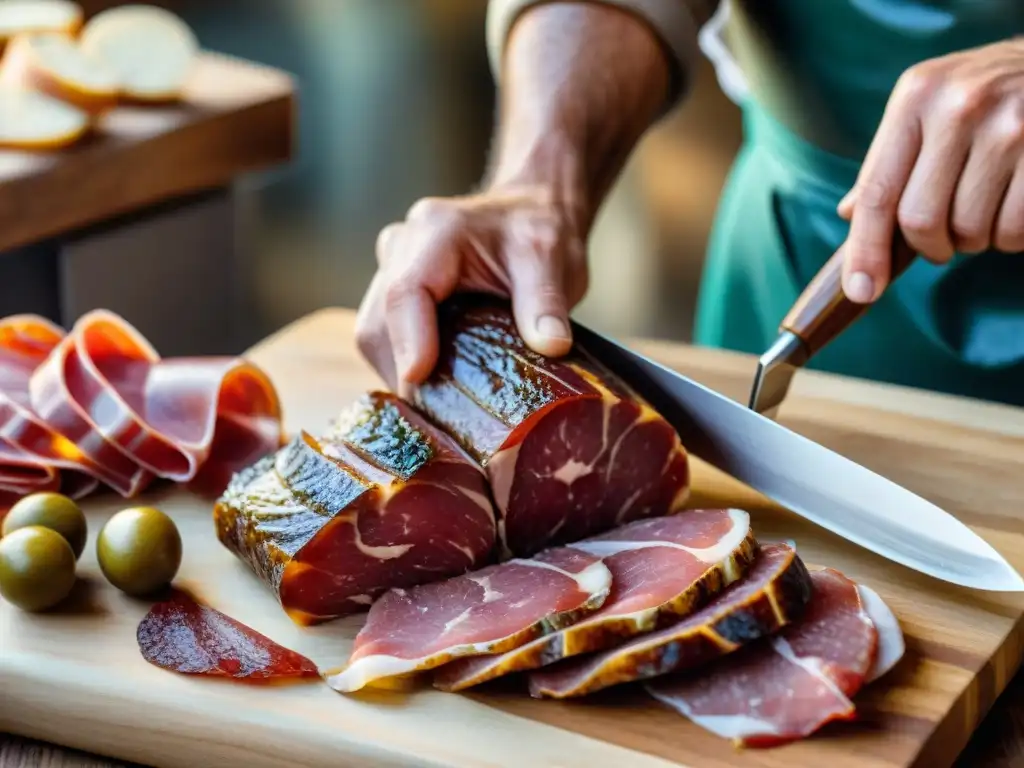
(569, 449)
(660, 567)
(133, 416)
(489, 611)
(773, 593)
(383, 500)
(793, 683)
(33, 455)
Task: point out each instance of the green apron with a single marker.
(818, 74)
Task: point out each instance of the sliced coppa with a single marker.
(772, 594)
(183, 635)
(660, 568)
(384, 500)
(790, 685)
(492, 610)
(138, 416)
(570, 451)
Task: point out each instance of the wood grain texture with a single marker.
(235, 117)
(75, 677)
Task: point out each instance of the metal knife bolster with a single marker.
(775, 371)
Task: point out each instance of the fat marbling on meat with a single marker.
(383, 500)
(569, 449)
(661, 567)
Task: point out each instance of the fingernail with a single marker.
(859, 287)
(552, 327)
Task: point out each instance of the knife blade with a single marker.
(820, 314)
(814, 482)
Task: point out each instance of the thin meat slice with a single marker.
(790, 685)
(891, 645)
(138, 416)
(570, 450)
(383, 500)
(660, 568)
(772, 594)
(183, 635)
(33, 456)
(492, 610)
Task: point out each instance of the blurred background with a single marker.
(396, 102)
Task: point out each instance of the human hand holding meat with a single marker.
(946, 166)
(570, 115)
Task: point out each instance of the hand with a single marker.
(523, 243)
(946, 166)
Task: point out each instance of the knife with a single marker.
(820, 314)
(818, 484)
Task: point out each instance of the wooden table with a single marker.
(314, 351)
(141, 217)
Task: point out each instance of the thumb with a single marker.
(539, 303)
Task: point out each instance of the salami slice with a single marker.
(660, 567)
(570, 451)
(492, 610)
(183, 635)
(137, 416)
(383, 500)
(790, 685)
(773, 593)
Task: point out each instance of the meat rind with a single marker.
(382, 500)
(789, 685)
(185, 636)
(569, 449)
(661, 568)
(774, 593)
(489, 611)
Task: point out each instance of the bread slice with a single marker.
(54, 64)
(33, 120)
(151, 49)
(20, 16)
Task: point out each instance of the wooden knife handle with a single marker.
(823, 312)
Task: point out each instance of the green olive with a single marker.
(37, 568)
(139, 550)
(50, 510)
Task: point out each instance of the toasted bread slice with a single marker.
(54, 64)
(152, 50)
(33, 120)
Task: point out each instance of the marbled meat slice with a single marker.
(660, 567)
(183, 635)
(488, 611)
(33, 456)
(570, 451)
(789, 685)
(384, 500)
(773, 593)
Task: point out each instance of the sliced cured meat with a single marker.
(33, 456)
(793, 683)
(384, 500)
(773, 593)
(183, 635)
(136, 416)
(660, 567)
(570, 451)
(488, 611)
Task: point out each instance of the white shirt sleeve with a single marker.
(676, 22)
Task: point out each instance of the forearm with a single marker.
(580, 83)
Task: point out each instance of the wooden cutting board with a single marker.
(76, 678)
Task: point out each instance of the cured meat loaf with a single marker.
(489, 611)
(569, 449)
(660, 568)
(774, 592)
(790, 685)
(383, 500)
